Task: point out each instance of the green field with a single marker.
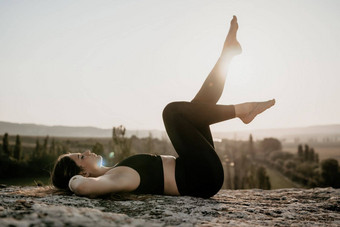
(277, 180)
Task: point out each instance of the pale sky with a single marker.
(106, 63)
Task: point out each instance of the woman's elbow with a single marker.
(82, 189)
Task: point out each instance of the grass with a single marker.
(278, 180)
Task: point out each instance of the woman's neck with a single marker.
(101, 171)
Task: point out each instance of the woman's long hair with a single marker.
(63, 170)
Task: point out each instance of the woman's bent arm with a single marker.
(120, 181)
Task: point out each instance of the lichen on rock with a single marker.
(282, 207)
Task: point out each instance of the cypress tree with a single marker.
(5, 144)
(44, 148)
(17, 148)
(300, 152)
(52, 147)
(251, 146)
(37, 149)
(311, 155)
(306, 153)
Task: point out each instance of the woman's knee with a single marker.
(172, 109)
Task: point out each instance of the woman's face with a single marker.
(90, 162)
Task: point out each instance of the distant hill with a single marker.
(68, 131)
(301, 134)
(319, 133)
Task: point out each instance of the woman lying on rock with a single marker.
(197, 171)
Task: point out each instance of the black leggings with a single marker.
(199, 171)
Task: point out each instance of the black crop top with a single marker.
(150, 170)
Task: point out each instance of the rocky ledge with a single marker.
(283, 207)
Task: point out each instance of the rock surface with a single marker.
(283, 207)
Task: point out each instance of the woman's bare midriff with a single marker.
(169, 164)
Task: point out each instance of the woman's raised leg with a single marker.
(212, 87)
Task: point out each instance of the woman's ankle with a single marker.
(241, 109)
(226, 57)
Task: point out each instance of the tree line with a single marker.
(244, 162)
(303, 167)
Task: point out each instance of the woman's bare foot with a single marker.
(248, 111)
(231, 46)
